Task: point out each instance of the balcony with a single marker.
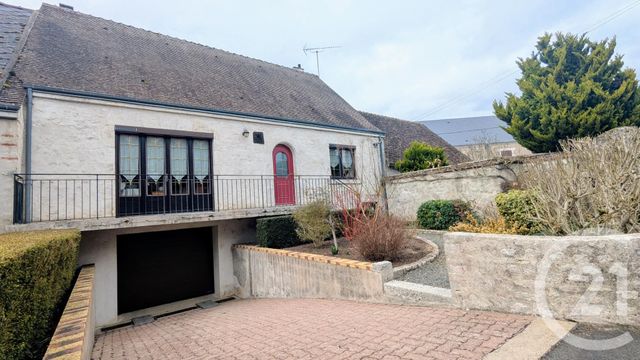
(42, 198)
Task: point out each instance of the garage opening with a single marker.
(157, 268)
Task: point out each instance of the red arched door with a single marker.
(283, 176)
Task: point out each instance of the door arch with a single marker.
(283, 176)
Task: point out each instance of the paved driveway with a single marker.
(313, 329)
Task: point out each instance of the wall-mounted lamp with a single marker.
(245, 133)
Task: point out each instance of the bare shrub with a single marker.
(594, 184)
(378, 236)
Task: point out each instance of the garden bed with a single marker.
(416, 249)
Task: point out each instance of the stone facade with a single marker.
(11, 144)
(586, 278)
(73, 135)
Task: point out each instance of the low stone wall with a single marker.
(74, 334)
(582, 278)
(477, 182)
(264, 272)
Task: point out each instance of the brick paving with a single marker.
(313, 329)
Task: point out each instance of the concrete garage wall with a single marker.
(100, 248)
(264, 272)
(583, 278)
(477, 182)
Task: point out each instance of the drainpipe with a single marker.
(27, 155)
(383, 173)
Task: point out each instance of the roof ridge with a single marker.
(15, 6)
(459, 118)
(390, 117)
(180, 39)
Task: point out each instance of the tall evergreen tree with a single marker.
(571, 87)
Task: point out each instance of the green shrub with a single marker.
(517, 209)
(420, 156)
(312, 222)
(36, 271)
(441, 214)
(488, 225)
(277, 232)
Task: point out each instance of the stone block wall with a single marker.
(476, 182)
(273, 273)
(582, 278)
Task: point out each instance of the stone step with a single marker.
(411, 293)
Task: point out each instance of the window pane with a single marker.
(334, 162)
(155, 166)
(129, 164)
(179, 166)
(347, 163)
(155, 157)
(282, 164)
(201, 166)
(129, 155)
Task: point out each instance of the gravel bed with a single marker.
(433, 273)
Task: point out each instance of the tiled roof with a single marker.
(74, 51)
(469, 131)
(12, 25)
(400, 134)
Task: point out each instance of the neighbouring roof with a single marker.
(69, 50)
(400, 134)
(471, 130)
(12, 26)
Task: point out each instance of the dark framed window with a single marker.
(342, 161)
(161, 164)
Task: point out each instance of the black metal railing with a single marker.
(54, 197)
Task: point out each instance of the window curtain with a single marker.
(179, 158)
(129, 156)
(155, 157)
(347, 163)
(200, 159)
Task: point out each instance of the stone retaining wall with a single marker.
(264, 272)
(74, 334)
(582, 278)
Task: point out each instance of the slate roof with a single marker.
(12, 26)
(471, 130)
(400, 134)
(73, 51)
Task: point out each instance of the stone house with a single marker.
(163, 152)
(480, 138)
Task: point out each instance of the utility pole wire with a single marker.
(506, 75)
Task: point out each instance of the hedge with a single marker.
(518, 209)
(441, 214)
(277, 232)
(36, 271)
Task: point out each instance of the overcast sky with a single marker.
(418, 60)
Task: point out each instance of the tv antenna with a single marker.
(318, 50)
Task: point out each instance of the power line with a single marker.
(481, 87)
(470, 130)
(613, 16)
